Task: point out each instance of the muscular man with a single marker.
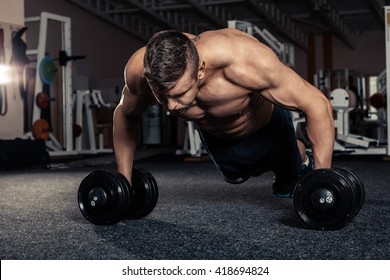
(237, 92)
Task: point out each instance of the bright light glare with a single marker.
(5, 74)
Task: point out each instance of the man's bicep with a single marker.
(286, 88)
(266, 74)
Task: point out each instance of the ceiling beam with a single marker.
(142, 5)
(325, 12)
(135, 26)
(220, 22)
(169, 18)
(281, 22)
(378, 11)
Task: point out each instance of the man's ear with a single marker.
(201, 70)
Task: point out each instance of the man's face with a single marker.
(182, 96)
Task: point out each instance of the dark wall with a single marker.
(369, 57)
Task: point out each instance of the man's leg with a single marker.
(307, 160)
(239, 159)
(290, 160)
(272, 148)
(286, 178)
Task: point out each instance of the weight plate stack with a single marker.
(324, 199)
(145, 191)
(357, 188)
(103, 197)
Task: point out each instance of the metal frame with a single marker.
(284, 51)
(387, 34)
(192, 142)
(67, 112)
(85, 101)
(349, 143)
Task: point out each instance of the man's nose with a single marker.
(172, 104)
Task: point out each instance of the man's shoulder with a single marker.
(134, 71)
(224, 34)
(135, 64)
(226, 45)
(227, 39)
(137, 58)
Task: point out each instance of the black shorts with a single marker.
(271, 148)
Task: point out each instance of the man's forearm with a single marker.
(125, 136)
(320, 130)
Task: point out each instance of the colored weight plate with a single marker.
(322, 199)
(42, 100)
(47, 70)
(145, 192)
(41, 129)
(378, 100)
(103, 197)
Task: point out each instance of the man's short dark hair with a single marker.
(168, 53)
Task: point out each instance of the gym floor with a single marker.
(198, 216)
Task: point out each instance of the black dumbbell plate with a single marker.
(103, 197)
(145, 192)
(322, 199)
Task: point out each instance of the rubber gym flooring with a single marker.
(198, 216)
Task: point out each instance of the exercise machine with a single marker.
(192, 142)
(343, 102)
(86, 104)
(284, 51)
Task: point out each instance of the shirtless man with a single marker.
(237, 92)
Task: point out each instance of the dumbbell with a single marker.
(327, 199)
(105, 197)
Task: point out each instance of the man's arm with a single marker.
(258, 68)
(135, 99)
(288, 89)
(319, 119)
(125, 134)
(126, 131)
